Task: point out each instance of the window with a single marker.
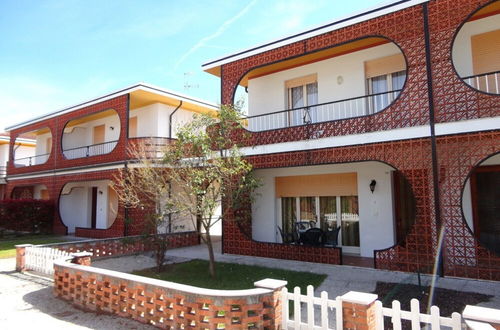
(385, 78)
(301, 93)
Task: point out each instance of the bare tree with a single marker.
(145, 185)
(209, 174)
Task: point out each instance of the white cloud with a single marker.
(214, 35)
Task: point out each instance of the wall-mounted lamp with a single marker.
(100, 192)
(372, 185)
(112, 128)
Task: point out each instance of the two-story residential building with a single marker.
(385, 125)
(80, 149)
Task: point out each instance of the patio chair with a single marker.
(332, 237)
(312, 236)
(286, 237)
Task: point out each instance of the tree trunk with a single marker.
(211, 261)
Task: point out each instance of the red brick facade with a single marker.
(453, 100)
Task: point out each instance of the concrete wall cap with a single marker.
(82, 254)
(481, 314)
(163, 284)
(360, 298)
(23, 245)
(476, 325)
(269, 283)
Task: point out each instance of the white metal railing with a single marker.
(306, 308)
(32, 160)
(90, 150)
(41, 259)
(340, 109)
(485, 82)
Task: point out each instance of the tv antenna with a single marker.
(187, 85)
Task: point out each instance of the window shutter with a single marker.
(343, 184)
(385, 65)
(486, 52)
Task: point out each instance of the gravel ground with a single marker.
(27, 302)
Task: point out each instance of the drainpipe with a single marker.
(170, 120)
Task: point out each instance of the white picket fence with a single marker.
(41, 259)
(323, 313)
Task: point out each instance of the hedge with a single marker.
(28, 215)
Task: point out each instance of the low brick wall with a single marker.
(167, 304)
(113, 247)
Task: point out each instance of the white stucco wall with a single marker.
(82, 134)
(466, 196)
(21, 152)
(376, 219)
(153, 120)
(4, 154)
(41, 147)
(75, 205)
(268, 93)
(462, 52)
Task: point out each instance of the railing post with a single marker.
(21, 257)
(359, 310)
(87, 151)
(481, 317)
(276, 299)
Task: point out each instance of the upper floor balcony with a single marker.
(3, 171)
(91, 135)
(476, 50)
(32, 148)
(358, 79)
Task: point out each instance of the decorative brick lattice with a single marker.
(458, 155)
(453, 99)
(411, 157)
(154, 302)
(411, 108)
(114, 247)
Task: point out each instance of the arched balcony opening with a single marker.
(355, 79)
(32, 148)
(92, 135)
(476, 49)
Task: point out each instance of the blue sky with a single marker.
(57, 53)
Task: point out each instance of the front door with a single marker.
(93, 214)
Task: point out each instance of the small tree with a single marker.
(145, 185)
(206, 169)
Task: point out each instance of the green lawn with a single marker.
(7, 249)
(231, 276)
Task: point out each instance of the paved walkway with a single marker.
(27, 302)
(342, 279)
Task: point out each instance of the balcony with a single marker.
(485, 82)
(3, 171)
(148, 147)
(90, 150)
(323, 112)
(31, 160)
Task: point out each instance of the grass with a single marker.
(7, 245)
(231, 276)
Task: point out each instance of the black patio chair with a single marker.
(332, 237)
(286, 237)
(312, 236)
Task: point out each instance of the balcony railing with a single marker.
(32, 160)
(335, 110)
(486, 82)
(90, 150)
(149, 147)
(3, 171)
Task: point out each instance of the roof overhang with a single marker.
(214, 66)
(152, 92)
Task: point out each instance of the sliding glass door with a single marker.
(328, 212)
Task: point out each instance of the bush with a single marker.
(30, 215)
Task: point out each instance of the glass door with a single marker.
(349, 221)
(328, 212)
